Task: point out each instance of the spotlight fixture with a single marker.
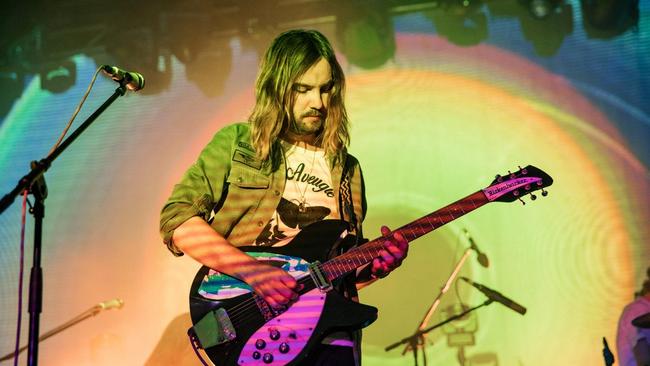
(607, 19)
(541, 9)
(58, 78)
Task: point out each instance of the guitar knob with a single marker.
(257, 355)
(274, 334)
(260, 344)
(284, 347)
(268, 358)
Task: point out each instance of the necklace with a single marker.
(302, 200)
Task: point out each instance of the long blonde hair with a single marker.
(290, 55)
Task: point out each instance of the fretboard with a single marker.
(363, 254)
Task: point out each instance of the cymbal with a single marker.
(642, 321)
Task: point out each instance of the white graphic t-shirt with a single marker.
(308, 196)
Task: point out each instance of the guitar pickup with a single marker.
(214, 328)
(319, 278)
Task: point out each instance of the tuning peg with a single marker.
(515, 193)
(523, 171)
(544, 193)
(512, 176)
(533, 197)
(527, 187)
(498, 178)
(522, 201)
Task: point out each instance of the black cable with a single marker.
(76, 111)
(193, 341)
(21, 275)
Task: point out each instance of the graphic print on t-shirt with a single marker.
(291, 216)
(308, 196)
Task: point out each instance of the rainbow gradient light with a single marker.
(435, 124)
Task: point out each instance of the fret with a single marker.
(338, 270)
(358, 261)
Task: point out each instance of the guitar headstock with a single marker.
(513, 186)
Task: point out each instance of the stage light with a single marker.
(547, 26)
(541, 9)
(464, 23)
(58, 78)
(366, 35)
(609, 18)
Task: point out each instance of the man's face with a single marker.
(311, 96)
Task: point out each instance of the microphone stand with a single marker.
(77, 319)
(34, 183)
(420, 333)
(417, 338)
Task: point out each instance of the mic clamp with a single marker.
(132, 80)
(480, 256)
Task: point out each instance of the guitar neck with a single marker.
(361, 255)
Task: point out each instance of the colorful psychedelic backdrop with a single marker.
(442, 97)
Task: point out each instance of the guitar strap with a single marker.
(347, 203)
(348, 284)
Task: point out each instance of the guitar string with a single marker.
(343, 260)
(242, 312)
(245, 314)
(245, 306)
(407, 229)
(241, 317)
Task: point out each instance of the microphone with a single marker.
(482, 258)
(134, 81)
(110, 304)
(496, 296)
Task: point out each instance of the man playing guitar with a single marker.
(260, 183)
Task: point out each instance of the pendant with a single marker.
(301, 207)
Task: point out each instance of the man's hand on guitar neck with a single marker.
(396, 249)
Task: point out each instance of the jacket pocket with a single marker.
(245, 178)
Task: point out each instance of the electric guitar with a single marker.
(236, 327)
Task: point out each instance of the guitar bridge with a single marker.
(214, 328)
(319, 278)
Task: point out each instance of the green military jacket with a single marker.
(237, 193)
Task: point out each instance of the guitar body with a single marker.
(263, 337)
